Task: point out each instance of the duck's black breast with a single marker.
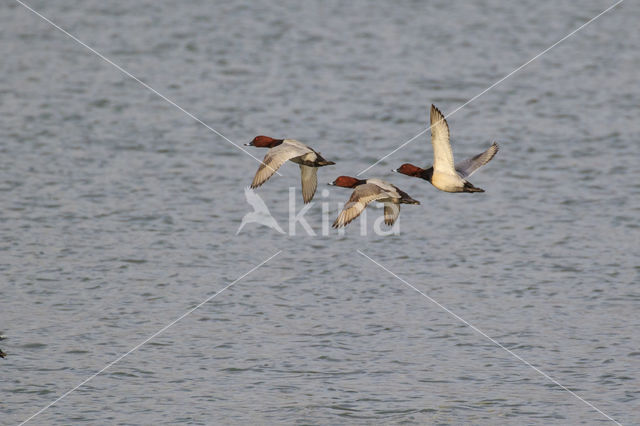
(427, 174)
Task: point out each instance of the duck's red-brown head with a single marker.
(347, 182)
(409, 170)
(264, 142)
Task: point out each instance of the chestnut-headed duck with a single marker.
(444, 175)
(282, 150)
(366, 191)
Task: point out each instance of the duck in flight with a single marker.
(282, 150)
(367, 191)
(445, 174)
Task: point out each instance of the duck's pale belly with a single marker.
(447, 182)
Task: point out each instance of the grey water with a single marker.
(119, 214)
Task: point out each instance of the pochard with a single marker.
(282, 150)
(366, 191)
(444, 174)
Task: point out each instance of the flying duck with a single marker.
(444, 174)
(282, 150)
(367, 191)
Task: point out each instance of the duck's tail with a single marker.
(468, 187)
(406, 198)
(320, 161)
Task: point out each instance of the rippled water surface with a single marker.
(119, 214)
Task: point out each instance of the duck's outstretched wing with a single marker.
(361, 196)
(275, 158)
(469, 166)
(309, 182)
(391, 213)
(442, 154)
